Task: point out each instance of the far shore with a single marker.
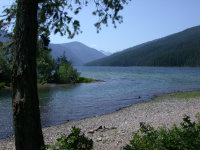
(64, 84)
(117, 127)
(40, 85)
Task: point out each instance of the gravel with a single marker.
(117, 127)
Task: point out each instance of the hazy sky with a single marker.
(144, 20)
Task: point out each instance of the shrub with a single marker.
(64, 72)
(74, 141)
(2, 84)
(185, 137)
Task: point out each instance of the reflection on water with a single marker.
(121, 87)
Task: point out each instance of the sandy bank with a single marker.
(164, 110)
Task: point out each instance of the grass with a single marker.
(185, 95)
(86, 80)
(178, 96)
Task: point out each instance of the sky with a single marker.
(143, 21)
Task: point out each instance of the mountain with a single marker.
(75, 52)
(180, 49)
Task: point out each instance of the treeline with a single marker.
(180, 49)
(184, 57)
(48, 69)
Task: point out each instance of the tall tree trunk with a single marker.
(26, 114)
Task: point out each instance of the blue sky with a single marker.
(144, 20)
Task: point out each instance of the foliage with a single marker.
(48, 69)
(180, 49)
(59, 16)
(5, 68)
(2, 84)
(85, 80)
(45, 62)
(46, 16)
(185, 137)
(64, 72)
(59, 71)
(45, 66)
(74, 141)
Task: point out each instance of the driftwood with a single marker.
(101, 128)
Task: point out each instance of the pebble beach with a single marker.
(113, 131)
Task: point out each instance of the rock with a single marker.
(99, 139)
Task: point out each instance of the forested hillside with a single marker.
(180, 49)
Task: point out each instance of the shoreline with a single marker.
(108, 113)
(165, 109)
(39, 85)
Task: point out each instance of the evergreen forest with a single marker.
(180, 49)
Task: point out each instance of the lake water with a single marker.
(121, 87)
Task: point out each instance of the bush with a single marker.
(64, 72)
(2, 84)
(185, 137)
(74, 141)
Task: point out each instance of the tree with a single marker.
(45, 63)
(5, 61)
(40, 17)
(4, 70)
(64, 71)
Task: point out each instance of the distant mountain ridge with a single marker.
(76, 52)
(179, 49)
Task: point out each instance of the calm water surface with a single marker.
(122, 87)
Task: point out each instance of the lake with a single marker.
(120, 87)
